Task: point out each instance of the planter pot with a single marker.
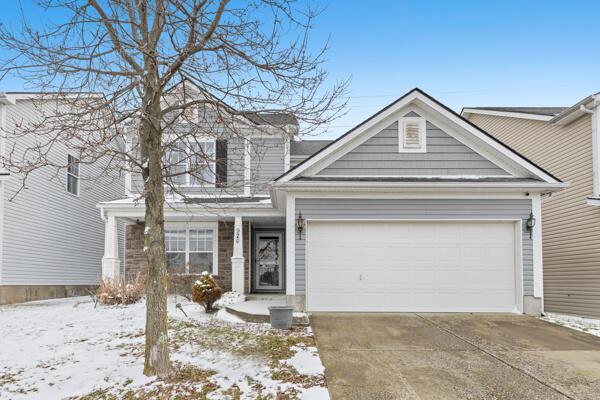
(281, 316)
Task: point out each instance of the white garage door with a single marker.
(411, 267)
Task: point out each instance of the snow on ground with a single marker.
(229, 298)
(66, 348)
(591, 326)
(307, 361)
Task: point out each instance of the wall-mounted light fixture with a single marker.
(530, 224)
(300, 225)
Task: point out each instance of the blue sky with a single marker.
(464, 53)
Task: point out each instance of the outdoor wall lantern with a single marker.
(530, 224)
(300, 224)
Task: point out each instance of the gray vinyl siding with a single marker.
(235, 174)
(414, 209)
(51, 237)
(267, 162)
(445, 155)
(267, 158)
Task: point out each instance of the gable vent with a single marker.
(412, 139)
(412, 134)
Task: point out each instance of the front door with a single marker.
(268, 261)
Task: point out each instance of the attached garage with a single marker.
(413, 266)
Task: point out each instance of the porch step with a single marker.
(266, 297)
(257, 311)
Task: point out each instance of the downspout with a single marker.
(2, 184)
(595, 114)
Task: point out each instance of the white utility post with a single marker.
(237, 261)
(111, 265)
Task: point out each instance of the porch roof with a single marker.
(196, 206)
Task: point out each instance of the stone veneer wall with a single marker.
(135, 262)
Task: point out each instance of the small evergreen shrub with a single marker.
(206, 291)
(120, 291)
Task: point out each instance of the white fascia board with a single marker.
(509, 114)
(574, 112)
(350, 136)
(13, 97)
(379, 121)
(417, 193)
(467, 138)
(190, 215)
(502, 149)
(312, 185)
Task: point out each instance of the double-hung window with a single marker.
(202, 165)
(191, 249)
(192, 163)
(72, 175)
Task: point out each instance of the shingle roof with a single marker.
(307, 147)
(271, 118)
(548, 111)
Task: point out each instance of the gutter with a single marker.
(575, 111)
(594, 111)
(392, 186)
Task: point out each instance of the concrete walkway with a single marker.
(442, 356)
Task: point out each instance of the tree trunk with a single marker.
(157, 344)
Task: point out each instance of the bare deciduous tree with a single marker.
(109, 69)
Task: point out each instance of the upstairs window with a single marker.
(192, 163)
(73, 175)
(412, 135)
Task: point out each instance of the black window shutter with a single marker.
(221, 164)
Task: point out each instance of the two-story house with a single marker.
(51, 237)
(565, 141)
(414, 209)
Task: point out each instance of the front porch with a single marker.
(243, 247)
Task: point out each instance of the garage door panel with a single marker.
(400, 266)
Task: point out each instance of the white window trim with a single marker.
(422, 134)
(212, 166)
(78, 176)
(198, 225)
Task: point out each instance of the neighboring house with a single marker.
(51, 236)
(414, 209)
(563, 140)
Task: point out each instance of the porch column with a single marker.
(237, 261)
(111, 265)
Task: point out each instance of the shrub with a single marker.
(120, 291)
(181, 284)
(206, 291)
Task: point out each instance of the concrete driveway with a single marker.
(461, 356)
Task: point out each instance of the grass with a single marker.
(268, 344)
(244, 341)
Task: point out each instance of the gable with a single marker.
(444, 155)
(491, 149)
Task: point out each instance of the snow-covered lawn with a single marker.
(68, 349)
(591, 326)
